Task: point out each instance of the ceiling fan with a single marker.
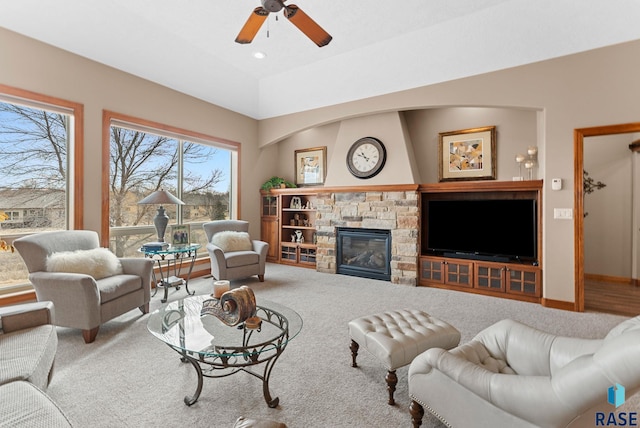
(292, 12)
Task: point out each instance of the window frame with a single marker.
(75, 171)
(111, 118)
(75, 215)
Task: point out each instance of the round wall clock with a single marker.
(366, 157)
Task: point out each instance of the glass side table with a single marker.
(171, 261)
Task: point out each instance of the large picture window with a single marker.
(145, 157)
(40, 156)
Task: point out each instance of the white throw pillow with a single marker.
(97, 262)
(232, 241)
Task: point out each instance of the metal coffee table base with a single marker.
(228, 360)
(216, 349)
(229, 368)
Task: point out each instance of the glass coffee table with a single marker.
(216, 350)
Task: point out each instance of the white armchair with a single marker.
(232, 252)
(517, 376)
(82, 301)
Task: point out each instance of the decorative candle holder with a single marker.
(220, 287)
(519, 160)
(253, 323)
(529, 161)
(529, 167)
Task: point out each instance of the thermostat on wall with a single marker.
(556, 183)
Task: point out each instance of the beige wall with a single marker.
(595, 88)
(411, 139)
(609, 227)
(37, 67)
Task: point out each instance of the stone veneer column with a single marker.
(396, 211)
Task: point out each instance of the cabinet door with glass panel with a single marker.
(510, 278)
(270, 224)
(439, 270)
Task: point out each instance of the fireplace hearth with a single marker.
(363, 252)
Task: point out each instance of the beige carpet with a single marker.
(128, 378)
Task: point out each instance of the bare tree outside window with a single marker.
(33, 154)
(34, 147)
(142, 163)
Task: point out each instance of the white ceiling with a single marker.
(378, 46)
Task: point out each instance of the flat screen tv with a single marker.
(484, 229)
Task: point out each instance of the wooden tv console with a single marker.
(515, 280)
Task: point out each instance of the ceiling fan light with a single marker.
(259, 55)
(272, 5)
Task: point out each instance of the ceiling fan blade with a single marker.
(307, 25)
(252, 25)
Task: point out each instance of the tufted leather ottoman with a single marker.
(397, 337)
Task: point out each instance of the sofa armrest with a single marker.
(27, 315)
(216, 253)
(217, 260)
(142, 268)
(471, 375)
(137, 266)
(67, 290)
(261, 248)
(525, 349)
(522, 396)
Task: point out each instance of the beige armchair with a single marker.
(82, 298)
(233, 254)
(516, 376)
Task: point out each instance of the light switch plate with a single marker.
(563, 213)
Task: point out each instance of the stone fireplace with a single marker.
(390, 208)
(363, 252)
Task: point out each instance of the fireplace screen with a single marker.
(364, 252)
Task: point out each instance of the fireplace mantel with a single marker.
(348, 189)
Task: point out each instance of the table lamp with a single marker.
(161, 219)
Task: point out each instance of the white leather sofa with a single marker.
(512, 375)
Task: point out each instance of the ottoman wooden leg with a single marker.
(417, 412)
(392, 381)
(354, 352)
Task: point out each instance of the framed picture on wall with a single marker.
(179, 235)
(468, 154)
(310, 166)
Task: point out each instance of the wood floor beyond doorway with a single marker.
(611, 297)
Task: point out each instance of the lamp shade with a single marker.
(161, 197)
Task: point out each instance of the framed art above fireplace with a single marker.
(310, 166)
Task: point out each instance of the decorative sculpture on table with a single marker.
(234, 306)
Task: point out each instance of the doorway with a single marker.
(579, 244)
